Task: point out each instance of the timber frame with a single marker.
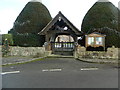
(95, 35)
(59, 25)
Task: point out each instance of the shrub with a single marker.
(103, 16)
(28, 40)
(9, 38)
(32, 19)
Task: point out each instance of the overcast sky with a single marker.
(74, 10)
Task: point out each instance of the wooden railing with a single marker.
(62, 46)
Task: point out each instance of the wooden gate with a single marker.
(63, 48)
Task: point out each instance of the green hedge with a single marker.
(9, 38)
(32, 19)
(103, 17)
(28, 40)
(101, 14)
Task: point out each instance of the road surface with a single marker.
(60, 73)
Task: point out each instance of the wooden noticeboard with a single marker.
(95, 40)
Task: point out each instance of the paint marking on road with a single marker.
(52, 70)
(82, 69)
(10, 72)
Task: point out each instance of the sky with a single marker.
(74, 10)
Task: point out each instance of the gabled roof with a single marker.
(97, 33)
(54, 20)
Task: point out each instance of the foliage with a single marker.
(103, 16)
(32, 19)
(5, 47)
(9, 38)
(28, 40)
(112, 37)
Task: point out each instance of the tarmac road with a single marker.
(60, 73)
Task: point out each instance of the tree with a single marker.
(8, 37)
(5, 47)
(32, 19)
(103, 17)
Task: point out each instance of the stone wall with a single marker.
(28, 51)
(111, 53)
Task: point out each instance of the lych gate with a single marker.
(61, 35)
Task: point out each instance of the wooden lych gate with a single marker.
(66, 33)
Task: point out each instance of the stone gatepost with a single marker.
(80, 52)
(113, 53)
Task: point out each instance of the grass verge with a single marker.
(39, 59)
